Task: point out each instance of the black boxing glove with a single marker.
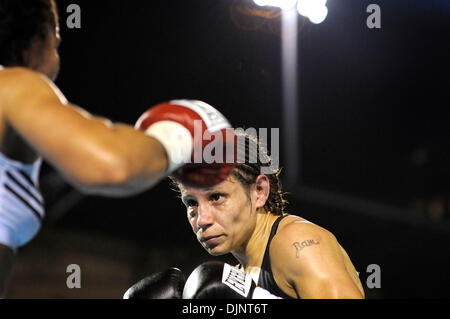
(217, 280)
(167, 284)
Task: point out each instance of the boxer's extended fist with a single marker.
(198, 139)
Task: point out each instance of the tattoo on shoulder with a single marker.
(300, 246)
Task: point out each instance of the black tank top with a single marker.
(266, 279)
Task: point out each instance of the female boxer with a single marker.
(285, 254)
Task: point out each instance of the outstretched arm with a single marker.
(94, 154)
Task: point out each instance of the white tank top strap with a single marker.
(1, 67)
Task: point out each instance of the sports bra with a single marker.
(266, 279)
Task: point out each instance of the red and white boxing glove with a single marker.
(188, 129)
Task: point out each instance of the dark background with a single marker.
(374, 127)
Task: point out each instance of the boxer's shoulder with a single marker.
(297, 232)
(295, 225)
(297, 250)
(15, 72)
(14, 79)
(21, 78)
(19, 84)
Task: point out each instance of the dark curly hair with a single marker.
(252, 158)
(251, 166)
(22, 24)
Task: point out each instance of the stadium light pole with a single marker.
(317, 12)
(291, 129)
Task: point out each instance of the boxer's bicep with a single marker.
(309, 258)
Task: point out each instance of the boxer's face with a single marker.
(222, 217)
(45, 58)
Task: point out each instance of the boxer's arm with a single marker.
(308, 259)
(94, 154)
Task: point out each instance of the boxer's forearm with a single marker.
(140, 162)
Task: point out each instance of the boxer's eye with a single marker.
(215, 197)
(191, 203)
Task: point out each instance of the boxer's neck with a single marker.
(252, 253)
